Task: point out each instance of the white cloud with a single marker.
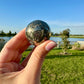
(75, 27)
(62, 23)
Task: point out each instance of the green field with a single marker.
(62, 69)
(73, 36)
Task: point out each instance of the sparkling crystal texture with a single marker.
(37, 32)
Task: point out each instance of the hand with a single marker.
(28, 72)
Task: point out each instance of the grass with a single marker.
(76, 36)
(62, 69)
(71, 36)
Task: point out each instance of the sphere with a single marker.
(37, 32)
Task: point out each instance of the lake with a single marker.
(6, 38)
(51, 38)
(70, 39)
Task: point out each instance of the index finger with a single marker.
(14, 47)
(18, 42)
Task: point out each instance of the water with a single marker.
(6, 38)
(56, 39)
(52, 38)
(70, 39)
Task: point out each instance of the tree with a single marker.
(56, 34)
(2, 33)
(9, 33)
(52, 34)
(15, 33)
(65, 36)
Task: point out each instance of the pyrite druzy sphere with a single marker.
(37, 32)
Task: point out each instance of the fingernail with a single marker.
(50, 45)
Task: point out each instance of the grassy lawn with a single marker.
(62, 69)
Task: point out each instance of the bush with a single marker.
(76, 46)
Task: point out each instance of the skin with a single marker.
(28, 72)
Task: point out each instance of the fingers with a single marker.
(37, 57)
(13, 48)
(25, 61)
(18, 41)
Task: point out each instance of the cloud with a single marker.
(75, 27)
(62, 23)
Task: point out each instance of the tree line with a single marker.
(55, 34)
(2, 33)
(59, 34)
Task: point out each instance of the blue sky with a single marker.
(59, 14)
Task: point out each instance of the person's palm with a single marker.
(28, 72)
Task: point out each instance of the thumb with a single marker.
(35, 62)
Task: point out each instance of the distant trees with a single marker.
(9, 33)
(55, 34)
(52, 34)
(2, 33)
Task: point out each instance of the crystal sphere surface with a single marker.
(37, 32)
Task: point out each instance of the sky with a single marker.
(59, 14)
